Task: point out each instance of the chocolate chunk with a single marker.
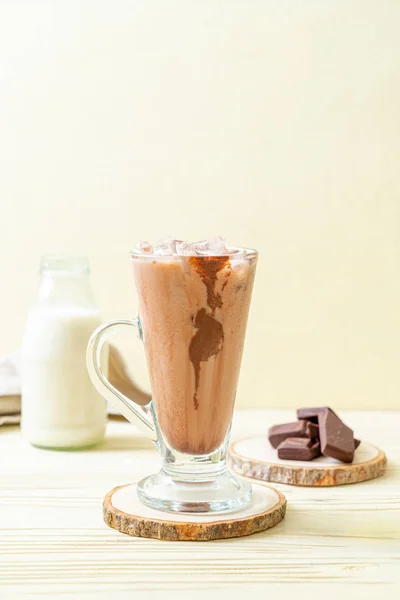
(298, 449)
(311, 414)
(298, 429)
(312, 429)
(356, 443)
(337, 440)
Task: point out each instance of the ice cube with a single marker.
(164, 247)
(200, 248)
(183, 248)
(233, 250)
(163, 250)
(144, 247)
(217, 246)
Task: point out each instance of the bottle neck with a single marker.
(65, 282)
(66, 289)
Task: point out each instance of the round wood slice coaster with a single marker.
(123, 511)
(254, 457)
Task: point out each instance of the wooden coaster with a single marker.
(254, 457)
(123, 511)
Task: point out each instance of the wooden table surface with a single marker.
(341, 542)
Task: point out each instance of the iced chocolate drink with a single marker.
(193, 307)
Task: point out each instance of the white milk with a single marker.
(60, 406)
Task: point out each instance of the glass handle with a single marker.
(140, 416)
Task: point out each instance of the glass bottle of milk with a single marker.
(60, 407)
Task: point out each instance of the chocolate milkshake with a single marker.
(193, 307)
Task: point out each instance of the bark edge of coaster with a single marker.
(142, 521)
(253, 457)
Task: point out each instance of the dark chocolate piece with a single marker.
(298, 449)
(311, 414)
(356, 443)
(312, 429)
(337, 440)
(300, 429)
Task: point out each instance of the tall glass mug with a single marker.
(192, 319)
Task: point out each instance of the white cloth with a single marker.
(10, 384)
(10, 390)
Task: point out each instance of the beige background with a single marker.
(274, 123)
